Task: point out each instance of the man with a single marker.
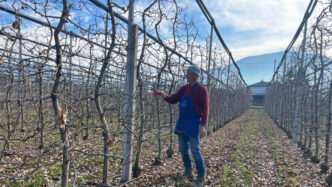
(193, 114)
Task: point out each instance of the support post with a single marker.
(209, 65)
(129, 105)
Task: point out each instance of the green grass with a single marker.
(248, 175)
(235, 173)
(224, 177)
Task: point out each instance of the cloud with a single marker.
(255, 27)
(270, 15)
(264, 46)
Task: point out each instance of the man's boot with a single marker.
(188, 173)
(200, 181)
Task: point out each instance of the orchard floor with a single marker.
(249, 151)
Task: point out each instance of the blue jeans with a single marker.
(184, 142)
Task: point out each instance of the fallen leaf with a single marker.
(111, 141)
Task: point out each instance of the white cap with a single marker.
(194, 69)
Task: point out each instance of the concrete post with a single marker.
(129, 105)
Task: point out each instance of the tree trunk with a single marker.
(328, 126)
(41, 111)
(99, 107)
(298, 108)
(54, 96)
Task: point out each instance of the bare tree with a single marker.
(100, 109)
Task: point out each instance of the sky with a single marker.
(248, 27)
(256, 27)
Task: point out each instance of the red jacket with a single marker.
(200, 100)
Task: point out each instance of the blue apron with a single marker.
(189, 120)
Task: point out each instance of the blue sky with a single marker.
(248, 27)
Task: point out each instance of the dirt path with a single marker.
(293, 168)
(265, 173)
(216, 148)
(249, 151)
